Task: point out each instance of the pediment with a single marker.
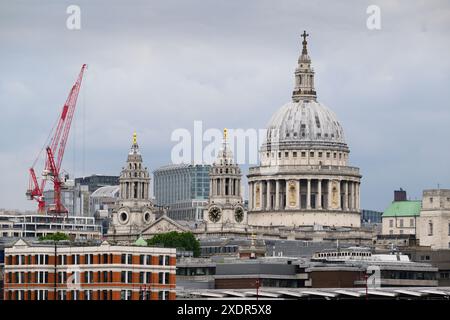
(162, 225)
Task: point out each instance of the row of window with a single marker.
(88, 295)
(401, 223)
(43, 259)
(344, 254)
(42, 277)
(312, 154)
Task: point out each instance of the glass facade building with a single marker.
(370, 216)
(184, 189)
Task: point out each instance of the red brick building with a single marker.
(88, 272)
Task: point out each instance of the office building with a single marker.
(184, 189)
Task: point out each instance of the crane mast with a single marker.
(54, 155)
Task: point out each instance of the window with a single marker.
(161, 260)
(411, 222)
(334, 155)
(430, 228)
(311, 154)
(161, 277)
(294, 154)
(391, 231)
(401, 223)
(431, 200)
(391, 223)
(449, 229)
(123, 259)
(105, 276)
(328, 154)
(320, 154)
(279, 154)
(148, 260)
(141, 277)
(88, 295)
(125, 295)
(303, 154)
(166, 278)
(166, 260)
(142, 259)
(286, 154)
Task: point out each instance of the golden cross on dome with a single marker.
(225, 133)
(134, 138)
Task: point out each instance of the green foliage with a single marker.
(58, 236)
(185, 240)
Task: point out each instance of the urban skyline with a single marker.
(151, 77)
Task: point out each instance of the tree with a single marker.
(58, 236)
(173, 239)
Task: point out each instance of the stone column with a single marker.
(297, 187)
(286, 194)
(352, 192)
(277, 194)
(238, 187)
(339, 206)
(346, 195)
(268, 195)
(319, 194)
(223, 186)
(357, 197)
(329, 198)
(308, 195)
(261, 200)
(250, 195)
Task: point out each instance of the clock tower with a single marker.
(225, 208)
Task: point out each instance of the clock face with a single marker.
(239, 214)
(214, 214)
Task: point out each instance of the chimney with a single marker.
(400, 195)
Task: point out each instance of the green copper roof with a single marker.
(403, 209)
(140, 242)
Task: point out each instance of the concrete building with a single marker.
(17, 225)
(88, 272)
(95, 181)
(304, 177)
(401, 217)
(184, 189)
(434, 223)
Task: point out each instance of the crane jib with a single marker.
(64, 113)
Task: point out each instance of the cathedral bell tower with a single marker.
(225, 207)
(134, 210)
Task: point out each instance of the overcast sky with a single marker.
(155, 66)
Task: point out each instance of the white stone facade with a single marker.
(225, 211)
(433, 228)
(134, 211)
(304, 178)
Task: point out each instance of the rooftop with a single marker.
(410, 208)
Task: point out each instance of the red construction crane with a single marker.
(54, 155)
